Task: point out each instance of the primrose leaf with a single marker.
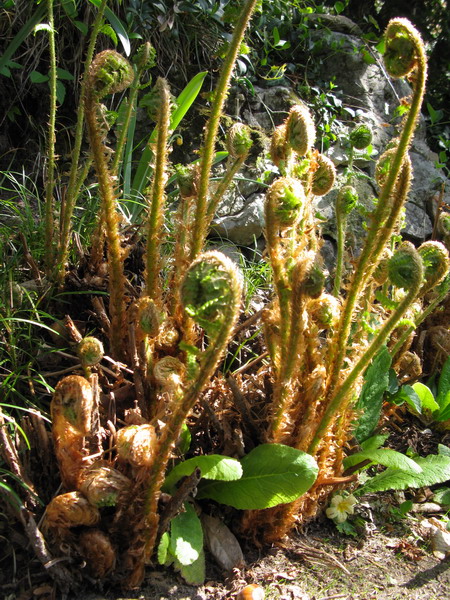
(443, 393)
(426, 397)
(374, 442)
(186, 536)
(407, 394)
(272, 474)
(194, 574)
(435, 469)
(212, 466)
(442, 496)
(388, 458)
(376, 382)
(443, 450)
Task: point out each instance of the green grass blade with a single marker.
(21, 35)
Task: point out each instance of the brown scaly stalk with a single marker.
(109, 73)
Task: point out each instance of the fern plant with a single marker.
(168, 337)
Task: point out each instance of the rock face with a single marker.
(373, 96)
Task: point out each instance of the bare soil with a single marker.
(320, 566)
(390, 562)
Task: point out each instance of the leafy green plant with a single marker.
(432, 407)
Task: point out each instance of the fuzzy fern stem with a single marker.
(378, 234)
(153, 259)
(75, 182)
(109, 73)
(51, 141)
(220, 94)
(341, 396)
(143, 61)
(211, 295)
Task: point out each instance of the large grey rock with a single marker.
(245, 226)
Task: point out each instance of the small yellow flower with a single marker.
(341, 507)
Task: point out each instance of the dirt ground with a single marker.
(322, 565)
(319, 564)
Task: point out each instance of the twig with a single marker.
(334, 596)
(250, 364)
(310, 552)
(174, 505)
(250, 321)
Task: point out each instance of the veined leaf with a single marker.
(212, 466)
(36, 77)
(442, 496)
(272, 474)
(443, 450)
(374, 442)
(186, 536)
(163, 553)
(427, 400)
(443, 393)
(194, 574)
(435, 469)
(376, 382)
(386, 457)
(407, 394)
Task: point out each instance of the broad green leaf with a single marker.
(81, 26)
(272, 474)
(426, 397)
(435, 469)
(194, 574)
(443, 393)
(407, 394)
(70, 8)
(376, 382)
(212, 466)
(444, 414)
(183, 102)
(36, 77)
(388, 458)
(185, 439)
(186, 536)
(442, 496)
(443, 450)
(60, 92)
(374, 442)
